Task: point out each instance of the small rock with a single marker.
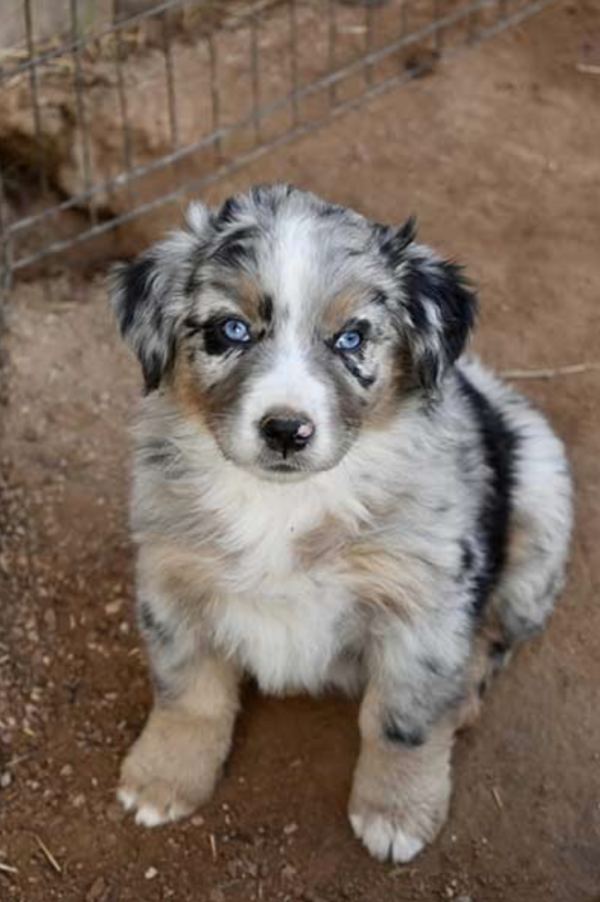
(96, 890)
(151, 873)
(5, 780)
(197, 821)
(50, 619)
(289, 829)
(288, 872)
(113, 607)
(67, 770)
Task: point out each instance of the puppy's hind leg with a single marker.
(540, 528)
(490, 654)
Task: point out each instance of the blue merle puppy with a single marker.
(326, 495)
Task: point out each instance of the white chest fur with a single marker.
(284, 623)
(287, 637)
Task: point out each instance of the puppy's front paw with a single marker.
(153, 799)
(172, 768)
(384, 837)
(400, 799)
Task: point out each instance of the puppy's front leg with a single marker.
(402, 782)
(174, 765)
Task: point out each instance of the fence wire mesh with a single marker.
(117, 107)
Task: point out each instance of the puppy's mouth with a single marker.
(292, 469)
(284, 469)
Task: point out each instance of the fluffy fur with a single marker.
(399, 552)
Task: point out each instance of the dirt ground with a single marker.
(498, 154)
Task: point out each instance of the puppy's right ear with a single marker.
(150, 295)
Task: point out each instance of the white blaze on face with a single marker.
(292, 382)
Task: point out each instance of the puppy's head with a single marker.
(288, 325)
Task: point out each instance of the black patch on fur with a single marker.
(136, 278)
(331, 210)
(406, 234)
(228, 212)
(417, 312)
(467, 559)
(153, 369)
(393, 242)
(411, 739)
(265, 308)
(136, 299)
(153, 629)
(442, 284)
(235, 248)
(354, 369)
(500, 446)
(192, 325)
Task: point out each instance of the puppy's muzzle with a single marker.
(286, 434)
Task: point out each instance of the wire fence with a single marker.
(125, 107)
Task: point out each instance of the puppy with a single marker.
(326, 495)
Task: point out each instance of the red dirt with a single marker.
(497, 152)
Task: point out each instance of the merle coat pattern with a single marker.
(326, 493)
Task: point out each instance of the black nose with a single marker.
(287, 434)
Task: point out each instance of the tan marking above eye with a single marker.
(341, 308)
(249, 296)
(244, 294)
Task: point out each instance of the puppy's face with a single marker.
(289, 325)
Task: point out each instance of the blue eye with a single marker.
(348, 341)
(235, 330)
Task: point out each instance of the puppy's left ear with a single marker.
(439, 305)
(150, 295)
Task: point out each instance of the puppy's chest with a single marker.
(286, 621)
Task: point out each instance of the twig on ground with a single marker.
(17, 760)
(48, 855)
(213, 846)
(497, 798)
(7, 868)
(588, 68)
(574, 369)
